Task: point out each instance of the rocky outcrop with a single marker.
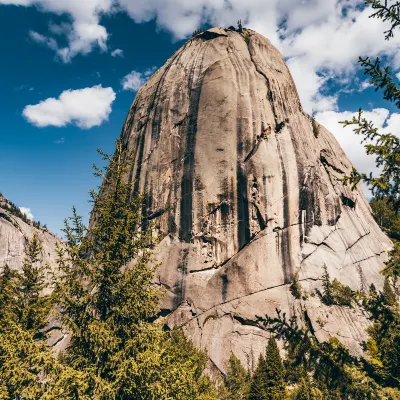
(246, 191)
(15, 232)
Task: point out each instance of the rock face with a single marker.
(245, 190)
(15, 233)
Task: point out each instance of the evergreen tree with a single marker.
(237, 380)
(304, 392)
(388, 294)
(274, 372)
(26, 365)
(385, 146)
(108, 302)
(33, 305)
(257, 387)
(8, 289)
(327, 296)
(268, 382)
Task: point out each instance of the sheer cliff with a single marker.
(245, 189)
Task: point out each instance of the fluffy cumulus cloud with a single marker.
(83, 33)
(27, 212)
(320, 39)
(135, 80)
(84, 108)
(382, 119)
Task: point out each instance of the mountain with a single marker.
(15, 231)
(245, 190)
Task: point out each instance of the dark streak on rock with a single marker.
(242, 195)
(186, 204)
(180, 290)
(285, 240)
(225, 282)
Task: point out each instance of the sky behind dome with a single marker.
(69, 70)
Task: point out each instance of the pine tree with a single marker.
(33, 305)
(257, 386)
(304, 392)
(388, 294)
(268, 382)
(8, 289)
(108, 300)
(237, 380)
(274, 372)
(327, 296)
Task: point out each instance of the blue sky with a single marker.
(49, 169)
(82, 50)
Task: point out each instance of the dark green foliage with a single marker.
(335, 293)
(257, 387)
(33, 305)
(197, 32)
(388, 293)
(342, 295)
(387, 12)
(327, 295)
(389, 220)
(304, 391)
(237, 380)
(240, 26)
(295, 287)
(386, 148)
(334, 372)
(274, 372)
(315, 127)
(268, 381)
(383, 345)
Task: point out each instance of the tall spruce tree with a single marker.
(257, 386)
(304, 391)
(274, 372)
(237, 380)
(33, 304)
(268, 382)
(108, 302)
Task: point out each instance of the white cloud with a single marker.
(117, 53)
(27, 212)
(350, 142)
(85, 108)
(83, 34)
(135, 80)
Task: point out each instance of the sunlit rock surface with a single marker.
(245, 190)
